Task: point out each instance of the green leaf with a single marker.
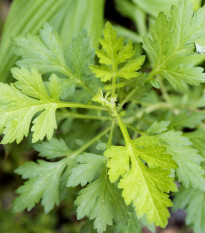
(187, 119)
(144, 186)
(20, 103)
(193, 202)
(182, 75)
(171, 40)
(43, 183)
(35, 14)
(133, 225)
(60, 14)
(189, 170)
(52, 149)
(45, 53)
(113, 55)
(79, 55)
(101, 201)
(90, 165)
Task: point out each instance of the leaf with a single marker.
(90, 165)
(20, 103)
(45, 53)
(101, 201)
(60, 14)
(144, 186)
(113, 55)
(35, 14)
(193, 202)
(171, 40)
(43, 183)
(189, 170)
(187, 119)
(79, 55)
(132, 226)
(52, 149)
(182, 75)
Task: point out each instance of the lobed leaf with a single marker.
(21, 101)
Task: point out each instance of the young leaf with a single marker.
(116, 59)
(43, 183)
(144, 186)
(21, 101)
(173, 38)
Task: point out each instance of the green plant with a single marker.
(121, 129)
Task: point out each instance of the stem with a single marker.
(79, 105)
(134, 129)
(109, 143)
(88, 144)
(123, 128)
(81, 116)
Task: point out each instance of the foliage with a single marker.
(123, 134)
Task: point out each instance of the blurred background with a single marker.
(131, 19)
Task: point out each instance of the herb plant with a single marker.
(124, 127)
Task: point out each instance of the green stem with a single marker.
(88, 144)
(109, 143)
(79, 105)
(123, 128)
(134, 129)
(82, 116)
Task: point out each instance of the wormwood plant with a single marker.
(120, 134)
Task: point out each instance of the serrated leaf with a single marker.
(45, 53)
(101, 201)
(43, 183)
(189, 170)
(171, 40)
(19, 106)
(79, 55)
(187, 119)
(182, 75)
(144, 186)
(90, 165)
(116, 59)
(52, 149)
